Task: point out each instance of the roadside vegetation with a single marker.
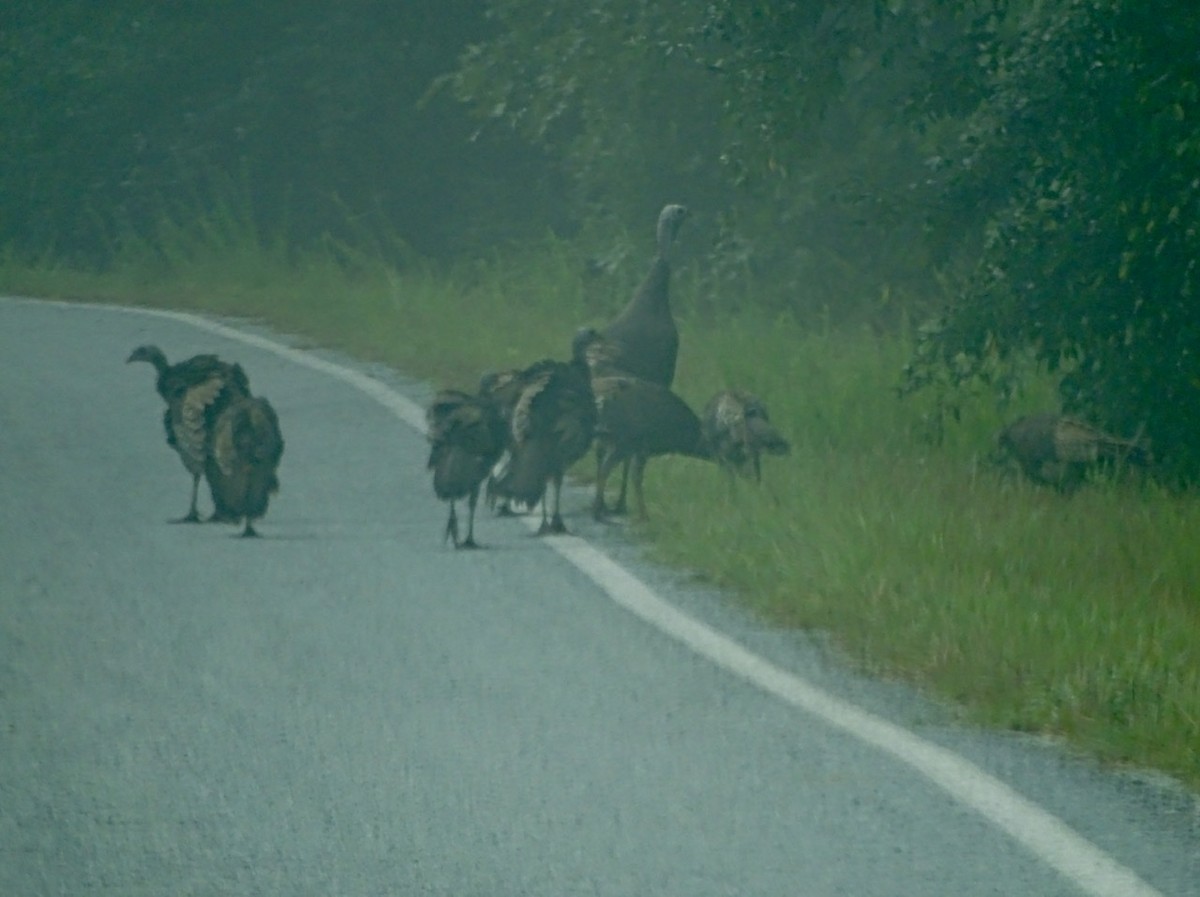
(895, 533)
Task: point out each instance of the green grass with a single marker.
(1073, 616)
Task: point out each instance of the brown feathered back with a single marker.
(174, 380)
(639, 418)
(242, 466)
(192, 417)
(552, 427)
(1057, 450)
(467, 435)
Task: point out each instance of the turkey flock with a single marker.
(220, 432)
(516, 437)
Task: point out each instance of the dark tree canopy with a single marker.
(1085, 155)
(1026, 170)
(113, 115)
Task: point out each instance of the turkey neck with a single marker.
(649, 309)
(161, 369)
(653, 296)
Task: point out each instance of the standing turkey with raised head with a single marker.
(644, 336)
(643, 340)
(196, 391)
(467, 435)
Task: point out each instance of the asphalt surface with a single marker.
(348, 707)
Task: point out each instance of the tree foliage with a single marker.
(785, 123)
(1086, 156)
(113, 114)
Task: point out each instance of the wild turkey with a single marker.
(553, 423)
(638, 420)
(195, 390)
(1056, 450)
(738, 429)
(467, 435)
(503, 389)
(244, 459)
(643, 340)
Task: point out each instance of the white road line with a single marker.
(1046, 836)
(1043, 834)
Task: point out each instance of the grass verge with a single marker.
(1078, 617)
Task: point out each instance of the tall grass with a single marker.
(1077, 616)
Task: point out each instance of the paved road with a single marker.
(345, 707)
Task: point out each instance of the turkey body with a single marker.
(504, 390)
(638, 420)
(196, 391)
(738, 428)
(553, 423)
(467, 435)
(243, 462)
(1056, 450)
(643, 340)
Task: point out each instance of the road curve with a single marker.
(347, 707)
